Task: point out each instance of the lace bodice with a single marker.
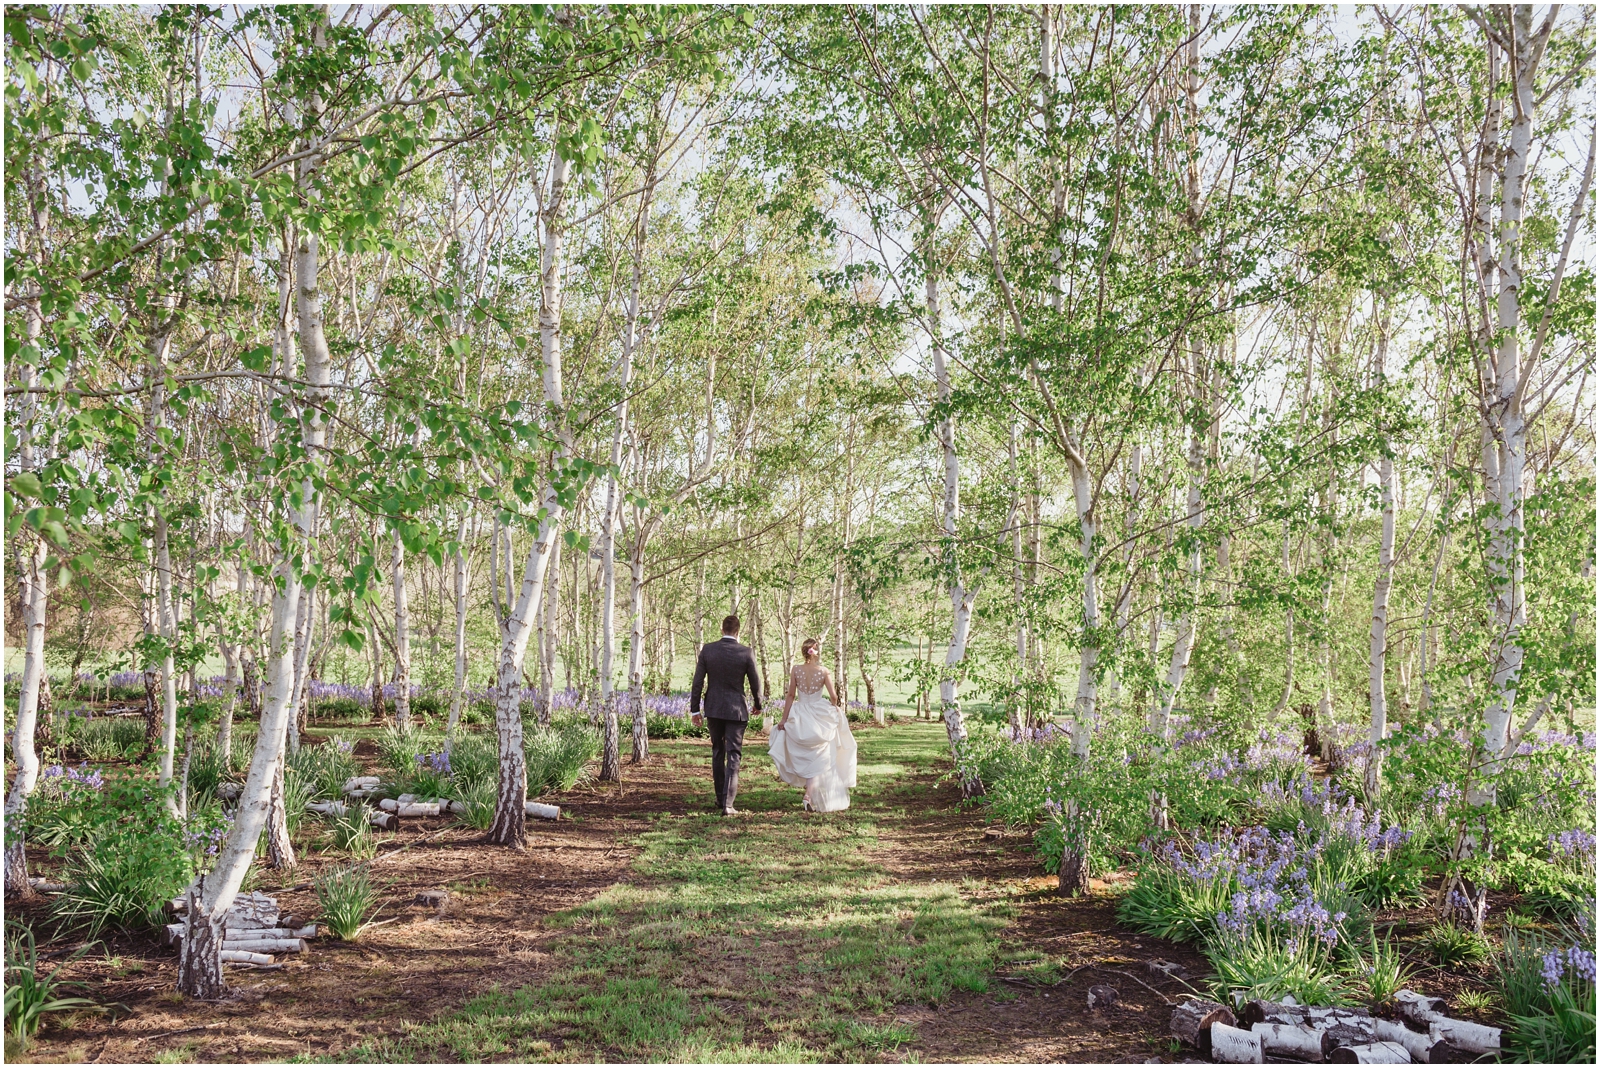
(809, 679)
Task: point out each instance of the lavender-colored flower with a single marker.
(438, 763)
(1574, 843)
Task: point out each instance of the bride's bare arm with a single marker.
(788, 702)
(827, 680)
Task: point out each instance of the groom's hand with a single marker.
(696, 719)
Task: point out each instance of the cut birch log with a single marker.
(265, 945)
(417, 808)
(229, 791)
(1300, 1041)
(173, 933)
(1410, 1000)
(44, 886)
(361, 782)
(1259, 1011)
(388, 804)
(1424, 1049)
(1347, 1034)
(384, 821)
(1372, 1053)
(236, 956)
(1192, 1021)
(1232, 1045)
(1465, 1035)
(543, 811)
(248, 910)
(327, 808)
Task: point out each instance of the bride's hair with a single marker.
(808, 647)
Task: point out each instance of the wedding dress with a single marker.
(815, 750)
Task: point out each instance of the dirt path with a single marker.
(536, 922)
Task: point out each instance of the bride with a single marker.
(812, 746)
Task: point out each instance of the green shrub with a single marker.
(479, 795)
(1547, 983)
(1395, 881)
(103, 739)
(323, 768)
(558, 755)
(398, 749)
(1270, 968)
(658, 725)
(341, 710)
(1454, 946)
(1384, 971)
(28, 995)
(352, 833)
(1165, 904)
(474, 758)
(346, 898)
(124, 877)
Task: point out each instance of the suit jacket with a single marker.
(722, 667)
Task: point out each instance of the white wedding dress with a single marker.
(815, 749)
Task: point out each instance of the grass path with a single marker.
(646, 927)
(774, 935)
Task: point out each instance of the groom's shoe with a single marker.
(729, 810)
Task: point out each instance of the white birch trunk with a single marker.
(34, 589)
(509, 827)
(961, 599)
(459, 562)
(302, 660)
(641, 734)
(1378, 639)
(1089, 649)
(402, 637)
(200, 963)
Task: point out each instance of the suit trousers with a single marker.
(727, 748)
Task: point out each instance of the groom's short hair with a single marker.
(730, 625)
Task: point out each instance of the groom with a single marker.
(723, 666)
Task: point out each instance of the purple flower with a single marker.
(1574, 843)
(438, 763)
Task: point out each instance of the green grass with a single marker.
(771, 937)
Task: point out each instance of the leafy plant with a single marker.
(346, 897)
(479, 796)
(1548, 988)
(28, 995)
(1454, 946)
(352, 833)
(324, 768)
(398, 749)
(1271, 968)
(1395, 881)
(1564, 1033)
(1384, 971)
(132, 859)
(558, 755)
(106, 738)
(473, 759)
(1477, 1002)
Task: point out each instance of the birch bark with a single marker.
(200, 961)
(402, 637)
(509, 827)
(34, 592)
(1378, 637)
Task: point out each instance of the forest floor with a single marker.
(648, 927)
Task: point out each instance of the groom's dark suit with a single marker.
(723, 668)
